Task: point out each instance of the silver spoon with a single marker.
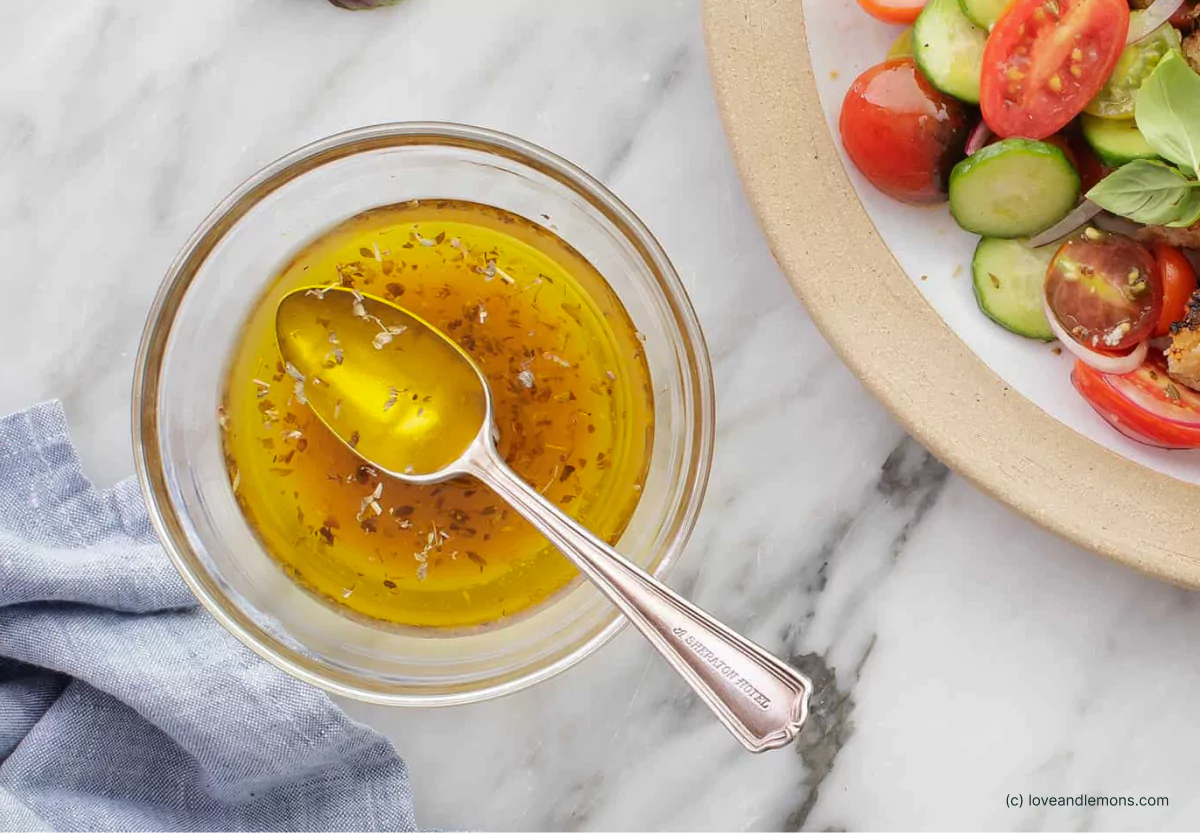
(413, 404)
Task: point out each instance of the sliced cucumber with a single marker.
(949, 49)
(1009, 279)
(1014, 188)
(1116, 141)
(983, 13)
(902, 46)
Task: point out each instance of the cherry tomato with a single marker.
(1060, 141)
(1185, 17)
(1144, 405)
(1178, 284)
(903, 135)
(893, 11)
(1105, 290)
(1091, 169)
(1046, 59)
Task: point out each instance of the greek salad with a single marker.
(1066, 134)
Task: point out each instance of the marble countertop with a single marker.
(962, 654)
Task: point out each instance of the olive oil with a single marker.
(408, 398)
(572, 399)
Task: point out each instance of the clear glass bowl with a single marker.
(196, 318)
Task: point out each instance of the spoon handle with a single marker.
(760, 699)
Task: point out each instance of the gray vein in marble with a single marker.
(502, 58)
(795, 386)
(829, 726)
(663, 81)
(910, 479)
(170, 174)
(906, 488)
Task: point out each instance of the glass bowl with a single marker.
(193, 326)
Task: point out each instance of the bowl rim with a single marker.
(950, 400)
(698, 382)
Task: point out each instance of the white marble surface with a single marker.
(964, 655)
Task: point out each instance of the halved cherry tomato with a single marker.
(1105, 290)
(1144, 405)
(893, 11)
(1178, 283)
(1091, 169)
(1060, 141)
(903, 135)
(1046, 59)
(1185, 17)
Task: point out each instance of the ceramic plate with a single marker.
(889, 285)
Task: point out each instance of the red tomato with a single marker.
(1105, 290)
(1060, 141)
(1091, 169)
(893, 11)
(1185, 17)
(901, 133)
(1046, 59)
(1178, 283)
(1144, 405)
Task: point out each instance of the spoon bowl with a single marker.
(385, 381)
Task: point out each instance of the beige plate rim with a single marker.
(871, 313)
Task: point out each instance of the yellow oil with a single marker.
(572, 399)
(381, 378)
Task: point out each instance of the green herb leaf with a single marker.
(1167, 111)
(1189, 212)
(1147, 192)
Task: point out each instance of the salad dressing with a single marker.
(572, 396)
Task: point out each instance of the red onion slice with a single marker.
(1104, 362)
(1082, 213)
(1154, 15)
(980, 136)
(1118, 225)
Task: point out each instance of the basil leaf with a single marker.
(1146, 192)
(1189, 213)
(1168, 111)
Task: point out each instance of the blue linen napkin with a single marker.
(123, 706)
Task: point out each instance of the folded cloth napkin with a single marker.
(124, 706)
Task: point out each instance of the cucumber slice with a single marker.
(948, 48)
(1014, 188)
(902, 46)
(1009, 279)
(983, 13)
(1116, 141)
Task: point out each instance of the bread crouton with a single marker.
(1183, 356)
